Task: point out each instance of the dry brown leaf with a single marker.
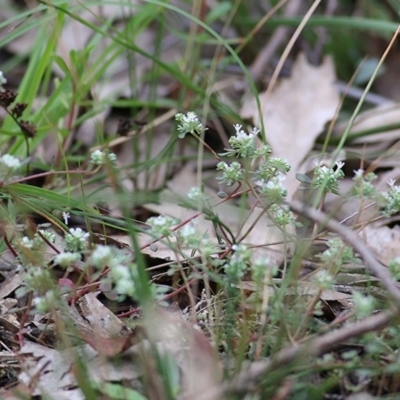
(296, 112)
(49, 372)
(12, 282)
(383, 241)
(107, 333)
(190, 348)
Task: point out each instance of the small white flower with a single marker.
(66, 259)
(76, 240)
(102, 256)
(66, 216)
(194, 193)
(79, 233)
(26, 242)
(318, 163)
(190, 117)
(238, 128)
(100, 157)
(339, 164)
(50, 236)
(161, 225)
(123, 277)
(358, 174)
(187, 231)
(188, 123)
(10, 161)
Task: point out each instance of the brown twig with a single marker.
(246, 381)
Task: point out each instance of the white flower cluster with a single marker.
(337, 253)
(232, 173)
(392, 199)
(238, 264)
(161, 225)
(67, 259)
(327, 178)
(8, 166)
(37, 243)
(76, 240)
(244, 144)
(196, 194)
(124, 277)
(123, 272)
(273, 189)
(188, 123)
(99, 157)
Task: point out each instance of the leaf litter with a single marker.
(114, 351)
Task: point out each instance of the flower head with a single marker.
(124, 278)
(243, 144)
(161, 225)
(101, 157)
(66, 259)
(8, 166)
(272, 189)
(327, 178)
(391, 199)
(238, 264)
(76, 240)
(188, 123)
(231, 173)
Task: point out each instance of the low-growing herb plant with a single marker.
(251, 309)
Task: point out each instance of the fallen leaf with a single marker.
(106, 333)
(383, 241)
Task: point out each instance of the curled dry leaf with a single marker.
(106, 333)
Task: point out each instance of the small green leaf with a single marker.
(303, 178)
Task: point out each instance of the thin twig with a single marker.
(315, 347)
(247, 380)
